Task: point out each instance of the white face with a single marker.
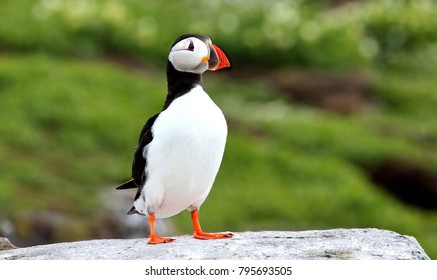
(190, 55)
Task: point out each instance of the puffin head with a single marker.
(195, 53)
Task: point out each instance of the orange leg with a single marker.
(199, 234)
(154, 238)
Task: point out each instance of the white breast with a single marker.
(184, 157)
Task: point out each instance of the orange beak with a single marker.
(217, 59)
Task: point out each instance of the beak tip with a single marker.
(222, 62)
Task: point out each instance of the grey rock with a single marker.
(5, 244)
(339, 244)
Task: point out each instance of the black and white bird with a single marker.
(180, 149)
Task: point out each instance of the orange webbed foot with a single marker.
(206, 235)
(155, 239)
(199, 234)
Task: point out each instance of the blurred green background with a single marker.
(331, 106)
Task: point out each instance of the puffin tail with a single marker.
(127, 185)
(133, 211)
(130, 185)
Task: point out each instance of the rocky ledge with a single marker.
(338, 244)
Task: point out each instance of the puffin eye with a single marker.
(191, 46)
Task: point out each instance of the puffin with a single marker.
(180, 149)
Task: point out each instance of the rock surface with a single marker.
(5, 244)
(365, 244)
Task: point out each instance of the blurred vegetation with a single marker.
(297, 31)
(71, 112)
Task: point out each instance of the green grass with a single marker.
(61, 118)
(70, 118)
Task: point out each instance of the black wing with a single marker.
(139, 162)
(127, 185)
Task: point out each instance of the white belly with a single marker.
(185, 155)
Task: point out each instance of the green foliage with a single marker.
(298, 32)
(61, 118)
